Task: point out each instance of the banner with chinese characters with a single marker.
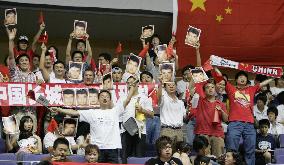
(264, 70)
(68, 95)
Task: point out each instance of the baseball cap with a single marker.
(24, 39)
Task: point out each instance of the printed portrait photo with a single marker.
(94, 97)
(10, 124)
(199, 75)
(68, 97)
(82, 99)
(10, 17)
(75, 70)
(80, 28)
(70, 126)
(192, 36)
(167, 71)
(147, 31)
(133, 64)
(107, 81)
(162, 53)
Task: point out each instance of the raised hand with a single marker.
(12, 33)
(43, 47)
(42, 26)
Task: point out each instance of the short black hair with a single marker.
(10, 11)
(76, 65)
(134, 58)
(91, 147)
(199, 143)
(70, 121)
(241, 73)
(60, 140)
(260, 77)
(20, 56)
(106, 77)
(147, 73)
(162, 142)
(272, 109)
(166, 67)
(22, 122)
(81, 91)
(264, 122)
(80, 41)
(88, 70)
(77, 52)
(104, 91)
(193, 30)
(280, 98)
(68, 91)
(262, 97)
(59, 62)
(188, 67)
(182, 146)
(148, 27)
(80, 24)
(276, 80)
(196, 71)
(93, 90)
(106, 56)
(131, 77)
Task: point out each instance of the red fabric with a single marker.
(204, 114)
(144, 51)
(41, 111)
(199, 89)
(207, 66)
(4, 70)
(252, 34)
(170, 51)
(5, 111)
(154, 97)
(29, 52)
(118, 48)
(93, 64)
(240, 109)
(52, 125)
(216, 76)
(43, 38)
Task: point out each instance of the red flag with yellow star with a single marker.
(245, 31)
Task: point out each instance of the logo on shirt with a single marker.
(264, 145)
(243, 99)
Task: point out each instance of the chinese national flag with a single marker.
(52, 125)
(240, 30)
(41, 18)
(118, 48)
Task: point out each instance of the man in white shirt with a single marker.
(172, 112)
(280, 107)
(139, 107)
(260, 109)
(104, 125)
(279, 86)
(275, 127)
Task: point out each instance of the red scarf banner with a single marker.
(264, 70)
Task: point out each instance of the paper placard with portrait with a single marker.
(10, 17)
(199, 75)
(10, 124)
(107, 81)
(192, 36)
(167, 72)
(147, 31)
(70, 126)
(94, 97)
(133, 64)
(82, 97)
(80, 29)
(161, 52)
(75, 71)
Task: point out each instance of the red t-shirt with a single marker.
(204, 114)
(93, 64)
(241, 102)
(29, 52)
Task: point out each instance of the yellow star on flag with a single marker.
(219, 18)
(198, 4)
(228, 10)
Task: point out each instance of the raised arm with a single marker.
(44, 71)
(198, 56)
(11, 34)
(36, 37)
(70, 112)
(265, 82)
(68, 48)
(89, 50)
(129, 96)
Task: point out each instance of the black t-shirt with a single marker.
(157, 161)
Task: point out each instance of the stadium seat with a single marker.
(279, 159)
(278, 151)
(8, 159)
(135, 160)
(281, 139)
(77, 158)
(32, 159)
(2, 146)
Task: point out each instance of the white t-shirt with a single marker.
(276, 129)
(275, 91)
(280, 117)
(260, 115)
(171, 111)
(129, 111)
(104, 126)
(181, 87)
